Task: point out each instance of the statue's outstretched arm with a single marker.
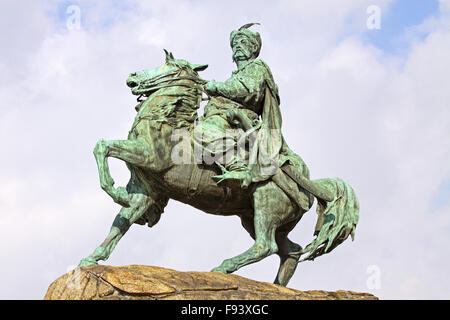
(240, 87)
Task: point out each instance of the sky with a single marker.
(362, 99)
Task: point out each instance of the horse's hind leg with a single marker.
(271, 208)
(288, 252)
(140, 203)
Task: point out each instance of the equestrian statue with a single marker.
(233, 160)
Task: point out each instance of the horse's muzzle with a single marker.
(131, 83)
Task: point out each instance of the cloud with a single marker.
(378, 121)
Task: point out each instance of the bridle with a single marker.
(165, 80)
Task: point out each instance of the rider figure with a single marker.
(248, 95)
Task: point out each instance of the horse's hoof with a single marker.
(87, 262)
(226, 267)
(219, 269)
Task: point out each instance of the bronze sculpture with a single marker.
(232, 161)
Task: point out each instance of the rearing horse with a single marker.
(173, 94)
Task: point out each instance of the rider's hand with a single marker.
(232, 117)
(211, 87)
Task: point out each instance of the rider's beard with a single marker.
(241, 54)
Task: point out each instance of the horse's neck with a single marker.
(175, 105)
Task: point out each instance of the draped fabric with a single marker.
(271, 151)
(264, 156)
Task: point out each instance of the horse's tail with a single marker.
(336, 219)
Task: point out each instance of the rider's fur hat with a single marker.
(254, 37)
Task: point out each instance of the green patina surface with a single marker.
(233, 160)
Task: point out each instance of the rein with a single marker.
(162, 81)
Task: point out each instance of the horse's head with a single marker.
(148, 81)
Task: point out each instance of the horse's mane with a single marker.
(176, 99)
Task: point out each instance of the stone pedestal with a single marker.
(145, 282)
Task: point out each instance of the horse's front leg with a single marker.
(131, 151)
(144, 201)
(139, 204)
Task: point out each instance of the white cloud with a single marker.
(444, 6)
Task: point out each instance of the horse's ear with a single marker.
(199, 67)
(169, 56)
